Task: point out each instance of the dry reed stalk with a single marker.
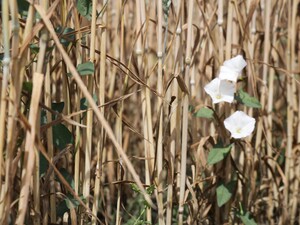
(14, 93)
(5, 78)
(229, 31)
(115, 12)
(29, 155)
(93, 105)
(65, 83)
(185, 113)
(174, 111)
(150, 151)
(159, 138)
(192, 81)
(250, 153)
(101, 96)
(180, 110)
(265, 70)
(90, 114)
(26, 34)
(140, 50)
(118, 125)
(220, 24)
(77, 106)
(39, 69)
(273, 195)
(50, 147)
(290, 120)
(296, 163)
(292, 107)
(294, 66)
(266, 56)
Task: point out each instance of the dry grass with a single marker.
(119, 143)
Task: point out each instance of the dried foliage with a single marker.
(104, 118)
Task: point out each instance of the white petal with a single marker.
(227, 88)
(216, 99)
(232, 68)
(238, 135)
(227, 98)
(220, 91)
(212, 87)
(236, 63)
(248, 129)
(239, 124)
(227, 73)
(230, 125)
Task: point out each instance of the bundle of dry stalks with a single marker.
(102, 106)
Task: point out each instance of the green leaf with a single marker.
(67, 35)
(191, 108)
(72, 202)
(84, 103)
(135, 188)
(204, 113)
(246, 218)
(281, 158)
(61, 136)
(62, 208)
(44, 164)
(68, 203)
(244, 98)
(68, 177)
(217, 154)
(150, 189)
(68, 38)
(84, 7)
(27, 87)
(34, 48)
(58, 106)
(224, 192)
(23, 6)
(86, 68)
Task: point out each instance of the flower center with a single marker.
(238, 130)
(218, 96)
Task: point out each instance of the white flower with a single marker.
(220, 90)
(232, 68)
(239, 124)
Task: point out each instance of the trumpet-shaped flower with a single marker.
(220, 90)
(239, 124)
(232, 68)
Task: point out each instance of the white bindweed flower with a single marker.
(232, 68)
(220, 90)
(239, 124)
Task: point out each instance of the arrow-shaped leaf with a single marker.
(244, 98)
(217, 154)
